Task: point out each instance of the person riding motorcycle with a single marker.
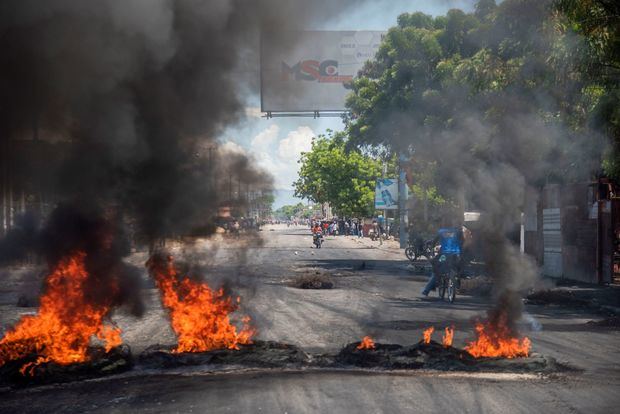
(451, 247)
(317, 229)
(317, 232)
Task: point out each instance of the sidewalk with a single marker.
(387, 244)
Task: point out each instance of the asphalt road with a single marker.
(375, 294)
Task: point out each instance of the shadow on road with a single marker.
(395, 266)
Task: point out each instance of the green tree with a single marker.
(344, 179)
(512, 69)
(590, 34)
(484, 8)
(288, 211)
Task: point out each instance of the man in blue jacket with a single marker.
(451, 242)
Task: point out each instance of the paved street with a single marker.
(375, 294)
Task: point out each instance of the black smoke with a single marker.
(136, 94)
(490, 145)
(110, 114)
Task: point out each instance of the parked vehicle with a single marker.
(372, 234)
(419, 248)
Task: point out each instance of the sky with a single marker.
(277, 143)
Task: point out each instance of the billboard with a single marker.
(386, 194)
(309, 71)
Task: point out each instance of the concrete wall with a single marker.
(579, 234)
(561, 232)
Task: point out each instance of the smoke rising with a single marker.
(491, 136)
(490, 173)
(140, 90)
(123, 103)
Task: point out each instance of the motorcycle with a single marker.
(317, 239)
(419, 248)
(372, 235)
(447, 277)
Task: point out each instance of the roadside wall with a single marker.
(565, 231)
(579, 233)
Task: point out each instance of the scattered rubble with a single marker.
(476, 286)
(268, 354)
(100, 364)
(438, 357)
(260, 354)
(274, 355)
(603, 301)
(313, 279)
(557, 297)
(611, 322)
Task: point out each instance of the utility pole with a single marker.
(212, 169)
(402, 201)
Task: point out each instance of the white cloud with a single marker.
(263, 140)
(279, 157)
(296, 142)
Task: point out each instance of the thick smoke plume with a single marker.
(136, 93)
(109, 118)
(488, 144)
(490, 173)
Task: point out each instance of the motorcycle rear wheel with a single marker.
(411, 254)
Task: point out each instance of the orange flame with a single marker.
(496, 340)
(199, 315)
(367, 343)
(427, 334)
(447, 337)
(63, 327)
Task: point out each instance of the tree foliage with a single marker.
(527, 85)
(344, 179)
(592, 29)
(288, 211)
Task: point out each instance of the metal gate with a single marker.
(552, 242)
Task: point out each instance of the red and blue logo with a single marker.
(314, 70)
